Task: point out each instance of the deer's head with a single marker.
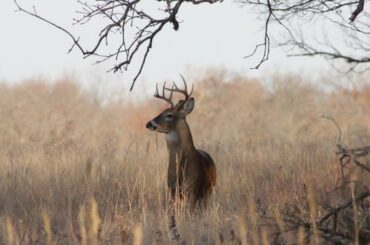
(167, 120)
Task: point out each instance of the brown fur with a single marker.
(191, 172)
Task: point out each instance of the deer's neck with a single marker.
(180, 140)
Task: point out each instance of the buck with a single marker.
(191, 172)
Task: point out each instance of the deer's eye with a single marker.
(169, 116)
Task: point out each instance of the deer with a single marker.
(191, 172)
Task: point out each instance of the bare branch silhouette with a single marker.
(136, 26)
(339, 39)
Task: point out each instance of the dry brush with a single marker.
(74, 172)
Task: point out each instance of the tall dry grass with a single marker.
(75, 172)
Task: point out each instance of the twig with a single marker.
(137, 26)
(358, 10)
(343, 206)
(331, 118)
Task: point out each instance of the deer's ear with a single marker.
(187, 107)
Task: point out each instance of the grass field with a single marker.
(77, 172)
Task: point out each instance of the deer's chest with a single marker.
(181, 170)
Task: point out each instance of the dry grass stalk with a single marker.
(138, 235)
(94, 222)
(82, 225)
(58, 147)
(47, 227)
(10, 232)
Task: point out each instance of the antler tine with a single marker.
(163, 96)
(184, 91)
(156, 94)
(186, 86)
(192, 89)
(171, 92)
(183, 80)
(163, 89)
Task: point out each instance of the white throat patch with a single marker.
(172, 137)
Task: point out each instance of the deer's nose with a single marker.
(150, 125)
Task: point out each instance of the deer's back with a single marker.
(209, 167)
(207, 175)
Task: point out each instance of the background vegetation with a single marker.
(74, 171)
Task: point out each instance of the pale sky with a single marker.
(218, 35)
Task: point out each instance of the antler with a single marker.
(174, 89)
(163, 96)
(182, 91)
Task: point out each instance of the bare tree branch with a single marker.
(298, 19)
(348, 204)
(136, 25)
(266, 43)
(358, 10)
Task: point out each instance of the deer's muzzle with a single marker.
(150, 125)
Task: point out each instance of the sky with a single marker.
(214, 36)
